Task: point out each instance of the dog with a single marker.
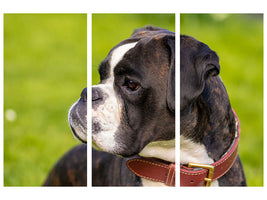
(133, 115)
(209, 128)
(71, 169)
(133, 112)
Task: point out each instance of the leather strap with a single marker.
(153, 169)
(162, 171)
(193, 177)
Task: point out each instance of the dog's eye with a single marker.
(131, 85)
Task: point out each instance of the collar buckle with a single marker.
(210, 169)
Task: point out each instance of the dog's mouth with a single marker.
(81, 136)
(78, 121)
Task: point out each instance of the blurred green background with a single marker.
(110, 29)
(238, 40)
(45, 70)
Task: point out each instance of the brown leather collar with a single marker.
(153, 169)
(193, 175)
(202, 175)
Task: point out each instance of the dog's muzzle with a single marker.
(78, 118)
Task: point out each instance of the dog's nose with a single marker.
(84, 95)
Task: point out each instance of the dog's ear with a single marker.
(144, 30)
(170, 43)
(197, 64)
(210, 64)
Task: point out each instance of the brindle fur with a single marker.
(205, 114)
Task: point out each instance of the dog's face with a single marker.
(197, 63)
(133, 105)
(78, 117)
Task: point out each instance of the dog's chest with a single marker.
(149, 183)
(194, 152)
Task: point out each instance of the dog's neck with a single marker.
(164, 150)
(207, 125)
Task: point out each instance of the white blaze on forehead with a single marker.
(118, 54)
(108, 114)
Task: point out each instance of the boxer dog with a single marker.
(133, 112)
(209, 128)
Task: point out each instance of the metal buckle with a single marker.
(210, 169)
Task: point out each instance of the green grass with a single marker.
(238, 40)
(44, 74)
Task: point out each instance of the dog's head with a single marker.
(78, 117)
(197, 63)
(134, 103)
